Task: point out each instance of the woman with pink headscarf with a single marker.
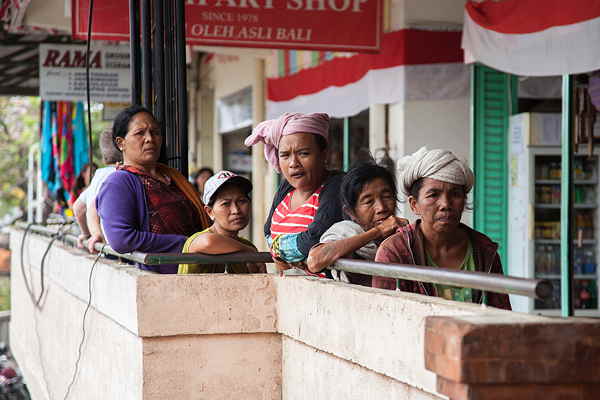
(307, 202)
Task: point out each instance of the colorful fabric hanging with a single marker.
(80, 139)
(67, 174)
(64, 146)
(47, 160)
(55, 185)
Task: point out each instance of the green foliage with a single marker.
(19, 130)
(19, 125)
(4, 293)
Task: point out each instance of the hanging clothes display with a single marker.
(65, 115)
(64, 149)
(80, 138)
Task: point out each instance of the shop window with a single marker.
(348, 141)
(237, 158)
(235, 111)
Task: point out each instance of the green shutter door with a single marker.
(494, 99)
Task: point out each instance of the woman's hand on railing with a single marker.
(282, 265)
(80, 239)
(95, 238)
(256, 268)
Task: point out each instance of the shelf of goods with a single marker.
(534, 231)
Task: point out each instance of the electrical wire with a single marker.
(25, 280)
(90, 155)
(87, 88)
(37, 300)
(56, 236)
(83, 332)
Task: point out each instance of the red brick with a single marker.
(461, 391)
(551, 352)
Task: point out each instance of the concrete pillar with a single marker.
(260, 202)
(205, 125)
(217, 143)
(376, 127)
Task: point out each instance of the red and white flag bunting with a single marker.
(413, 65)
(532, 37)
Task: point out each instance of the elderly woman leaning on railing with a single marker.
(369, 197)
(307, 202)
(436, 184)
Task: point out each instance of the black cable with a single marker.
(83, 333)
(29, 287)
(87, 77)
(25, 280)
(56, 236)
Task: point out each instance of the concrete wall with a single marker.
(147, 336)
(155, 336)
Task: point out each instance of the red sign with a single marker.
(333, 25)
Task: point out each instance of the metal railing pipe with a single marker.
(70, 239)
(498, 283)
(536, 288)
(134, 48)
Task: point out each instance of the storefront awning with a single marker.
(414, 64)
(533, 38)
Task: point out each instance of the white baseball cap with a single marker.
(217, 180)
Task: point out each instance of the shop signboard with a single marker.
(329, 25)
(63, 73)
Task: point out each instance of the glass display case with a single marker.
(547, 229)
(534, 217)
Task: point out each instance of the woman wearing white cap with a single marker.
(436, 184)
(227, 199)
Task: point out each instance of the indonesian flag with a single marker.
(414, 64)
(533, 37)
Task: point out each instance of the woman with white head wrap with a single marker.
(436, 184)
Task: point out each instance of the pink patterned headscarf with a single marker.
(271, 131)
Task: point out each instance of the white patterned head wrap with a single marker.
(438, 164)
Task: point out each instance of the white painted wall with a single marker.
(440, 124)
(408, 13)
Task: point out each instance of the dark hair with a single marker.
(359, 176)
(235, 184)
(79, 184)
(321, 142)
(121, 123)
(416, 187)
(110, 154)
(201, 171)
(197, 174)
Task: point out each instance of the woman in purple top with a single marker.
(146, 206)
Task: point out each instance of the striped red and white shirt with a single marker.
(286, 221)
